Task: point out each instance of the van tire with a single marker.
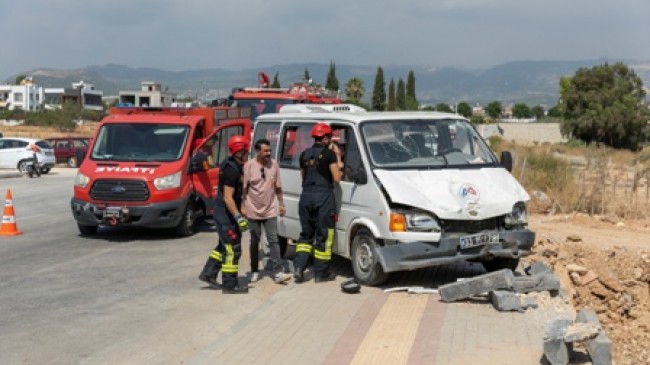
(365, 262)
(87, 230)
(185, 227)
(499, 263)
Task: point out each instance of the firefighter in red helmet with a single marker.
(317, 206)
(229, 220)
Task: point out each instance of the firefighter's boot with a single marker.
(210, 272)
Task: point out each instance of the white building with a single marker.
(26, 96)
(150, 95)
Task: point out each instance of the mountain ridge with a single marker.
(530, 82)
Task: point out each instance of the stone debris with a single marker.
(539, 282)
(508, 301)
(537, 268)
(562, 334)
(478, 285)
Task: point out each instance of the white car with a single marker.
(17, 153)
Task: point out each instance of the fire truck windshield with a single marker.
(263, 106)
(140, 142)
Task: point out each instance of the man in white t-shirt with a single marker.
(261, 188)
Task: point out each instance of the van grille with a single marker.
(120, 190)
(470, 227)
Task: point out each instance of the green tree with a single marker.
(20, 78)
(379, 91)
(554, 112)
(306, 77)
(332, 83)
(537, 111)
(400, 98)
(411, 99)
(445, 108)
(463, 108)
(354, 89)
(493, 109)
(276, 81)
(392, 103)
(521, 110)
(605, 104)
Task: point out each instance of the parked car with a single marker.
(18, 153)
(70, 150)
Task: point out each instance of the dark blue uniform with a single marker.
(317, 210)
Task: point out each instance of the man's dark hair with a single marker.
(260, 142)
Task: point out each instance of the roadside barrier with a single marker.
(9, 227)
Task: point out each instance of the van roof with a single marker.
(348, 112)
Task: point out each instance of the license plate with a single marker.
(110, 213)
(478, 240)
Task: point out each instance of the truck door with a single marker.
(216, 146)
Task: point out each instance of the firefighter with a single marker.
(229, 220)
(317, 206)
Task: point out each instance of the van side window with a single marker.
(295, 139)
(270, 131)
(347, 143)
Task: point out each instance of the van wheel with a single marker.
(87, 230)
(72, 161)
(185, 227)
(365, 262)
(499, 263)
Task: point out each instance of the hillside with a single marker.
(531, 82)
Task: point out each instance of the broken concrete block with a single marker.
(498, 280)
(537, 268)
(529, 302)
(539, 282)
(600, 350)
(587, 315)
(580, 331)
(556, 351)
(505, 300)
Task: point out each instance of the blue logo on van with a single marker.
(118, 190)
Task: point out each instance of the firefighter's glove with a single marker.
(242, 223)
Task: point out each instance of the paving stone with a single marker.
(505, 300)
(498, 280)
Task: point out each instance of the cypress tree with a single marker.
(379, 91)
(411, 100)
(332, 83)
(401, 95)
(276, 81)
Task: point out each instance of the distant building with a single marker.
(478, 111)
(26, 96)
(83, 94)
(150, 94)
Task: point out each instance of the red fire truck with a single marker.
(264, 99)
(140, 170)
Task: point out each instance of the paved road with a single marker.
(131, 296)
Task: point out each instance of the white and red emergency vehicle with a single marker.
(139, 170)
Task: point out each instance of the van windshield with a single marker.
(140, 142)
(423, 144)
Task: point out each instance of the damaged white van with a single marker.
(419, 189)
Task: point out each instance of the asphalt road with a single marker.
(131, 296)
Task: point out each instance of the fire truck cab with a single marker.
(140, 169)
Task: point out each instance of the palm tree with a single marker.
(354, 89)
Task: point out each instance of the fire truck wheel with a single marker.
(86, 230)
(185, 227)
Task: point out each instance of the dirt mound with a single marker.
(605, 265)
(85, 130)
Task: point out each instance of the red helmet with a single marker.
(321, 129)
(238, 143)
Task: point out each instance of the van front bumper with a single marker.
(416, 255)
(154, 215)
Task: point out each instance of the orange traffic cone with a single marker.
(9, 227)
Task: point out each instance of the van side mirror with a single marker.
(506, 160)
(358, 176)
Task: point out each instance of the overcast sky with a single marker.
(239, 34)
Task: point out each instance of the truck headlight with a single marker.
(168, 182)
(518, 216)
(81, 180)
(417, 222)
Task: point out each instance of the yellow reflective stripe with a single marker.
(216, 255)
(327, 254)
(303, 247)
(229, 268)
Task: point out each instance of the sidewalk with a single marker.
(318, 324)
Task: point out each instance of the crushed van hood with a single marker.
(454, 193)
